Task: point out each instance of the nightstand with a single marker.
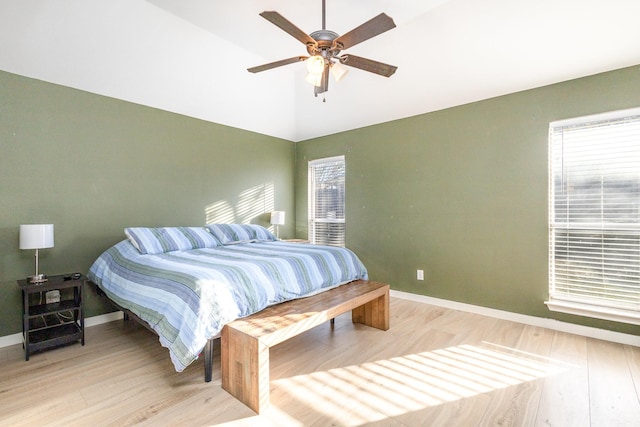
(47, 325)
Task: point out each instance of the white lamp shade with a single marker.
(339, 71)
(315, 64)
(36, 236)
(277, 217)
(314, 79)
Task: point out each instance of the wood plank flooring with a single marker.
(433, 367)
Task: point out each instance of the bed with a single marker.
(186, 283)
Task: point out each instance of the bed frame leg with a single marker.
(208, 361)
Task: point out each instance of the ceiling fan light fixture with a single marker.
(338, 71)
(315, 64)
(314, 79)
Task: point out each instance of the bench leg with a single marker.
(245, 368)
(375, 313)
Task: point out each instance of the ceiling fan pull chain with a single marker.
(324, 97)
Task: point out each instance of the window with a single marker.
(594, 216)
(326, 201)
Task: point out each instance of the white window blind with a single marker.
(327, 201)
(595, 216)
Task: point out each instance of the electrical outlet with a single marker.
(52, 296)
(420, 274)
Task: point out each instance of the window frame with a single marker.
(606, 232)
(313, 219)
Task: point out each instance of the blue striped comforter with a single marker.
(188, 296)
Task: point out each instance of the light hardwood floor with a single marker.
(434, 367)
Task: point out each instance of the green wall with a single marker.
(93, 165)
(462, 194)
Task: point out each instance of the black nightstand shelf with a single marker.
(51, 325)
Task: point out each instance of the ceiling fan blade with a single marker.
(324, 82)
(275, 64)
(371, 28)
(280, 21)
(369, 65)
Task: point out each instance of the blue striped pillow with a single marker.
(240, 233)
(167, 239)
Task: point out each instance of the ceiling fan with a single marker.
(324, 48)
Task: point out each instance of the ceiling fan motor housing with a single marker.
(324, 45)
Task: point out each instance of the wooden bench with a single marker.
(245, 342)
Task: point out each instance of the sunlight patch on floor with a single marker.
(391, 387)
(274, 417)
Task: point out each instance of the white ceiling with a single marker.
(191, 56)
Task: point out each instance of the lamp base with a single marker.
(38, 278)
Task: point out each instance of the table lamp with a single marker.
(277, 219)
(36, 236)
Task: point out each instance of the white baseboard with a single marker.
(553, 324)
(556, 325)
(103, 318)
(8, 340)
(14, 339)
